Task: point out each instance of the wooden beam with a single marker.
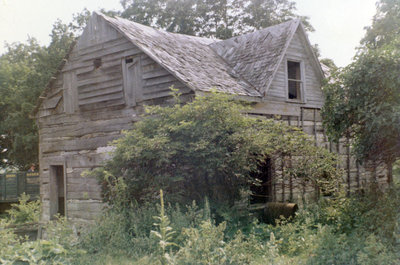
(348, 165)
(65, 189)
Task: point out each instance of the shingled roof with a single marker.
(243, 65)
(188, 58)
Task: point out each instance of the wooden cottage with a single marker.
(118, 66)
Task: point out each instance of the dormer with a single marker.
(278, 61)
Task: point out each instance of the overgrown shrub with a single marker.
(59, 247)
(344, 230)
(208, 148)
(125, 230)
(356, 230)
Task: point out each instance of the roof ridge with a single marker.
(264, 29)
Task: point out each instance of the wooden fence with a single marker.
(12, 185)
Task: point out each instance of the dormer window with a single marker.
(295, 81)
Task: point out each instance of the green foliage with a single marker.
(221, 19)
(58, 248)
(204, 244)
(25, 69)
(164, 234)
(385, 24)
(355, 230)
(8, 239)
(396, 172)
(20, 85)
(363, 99)
(375, 252)
(121, 231)
(364, 102)
(24, 211)
(126, 230)
(207, 148)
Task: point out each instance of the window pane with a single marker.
(294, 70)
(294, 89)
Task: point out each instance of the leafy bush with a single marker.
(204, 244)
(24, 211)
(58, 248)
(207, 148)
(344, 230)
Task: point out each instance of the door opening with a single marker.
(262, 189)
(57, 191)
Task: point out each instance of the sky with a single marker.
(339, 24)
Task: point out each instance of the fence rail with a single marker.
(12, 185)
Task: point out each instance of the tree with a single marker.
(25, 69)
(260, 14)
(385, 25)
(364, 102)
(20, 86)
(179, 16)
(208, 147)
(220, 19)
(363, 99)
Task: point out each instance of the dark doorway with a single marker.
(262, 189)
(57, 191)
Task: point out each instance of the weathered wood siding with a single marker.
(157, 81)
(311, 82)
(86, 109)
(355, 177)
(306, 115)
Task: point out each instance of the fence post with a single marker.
(3, 185)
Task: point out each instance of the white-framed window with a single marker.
(295, 80)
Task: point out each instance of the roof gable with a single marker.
(256, 56)
(310, 51)
(97, 31)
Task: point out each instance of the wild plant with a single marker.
(164, 234)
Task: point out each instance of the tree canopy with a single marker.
(363, 99)
(209, 18)
(25, 70)
(385, 24)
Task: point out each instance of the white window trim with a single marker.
(302, 98)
